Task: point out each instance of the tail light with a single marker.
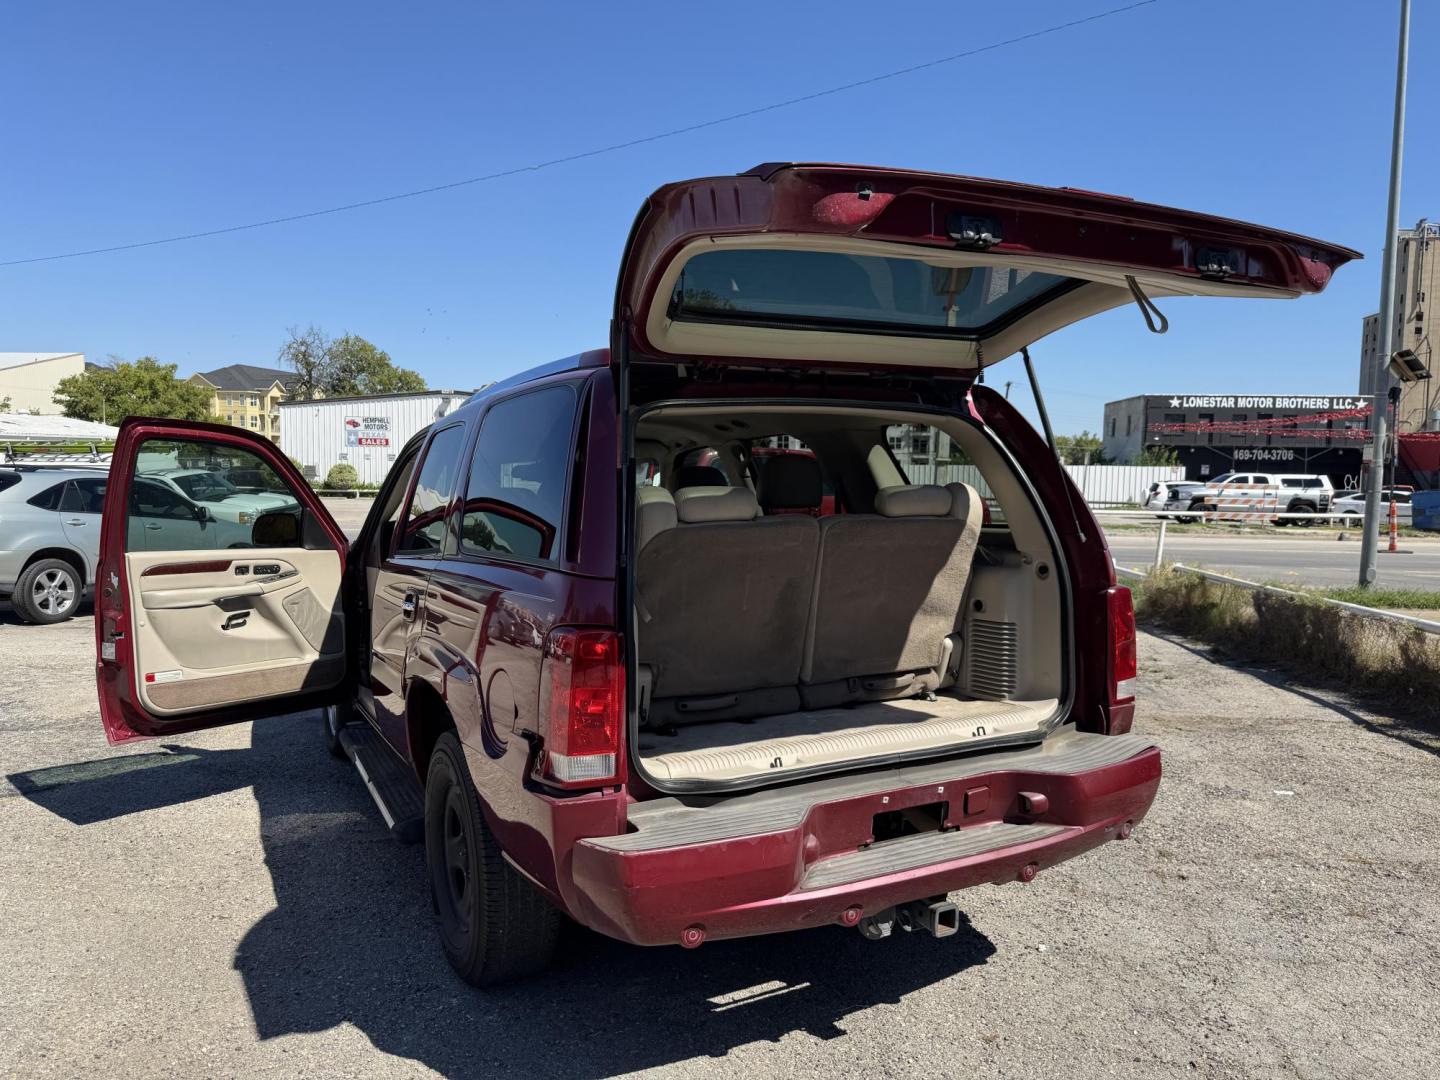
(582, 696)
(1123, 663)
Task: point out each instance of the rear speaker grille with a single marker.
(991, 659)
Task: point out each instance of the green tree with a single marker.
(358, 367)
(347, 366)
(1156, 455)
(118, 389)
(1082, 449)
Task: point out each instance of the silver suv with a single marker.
(49, 537)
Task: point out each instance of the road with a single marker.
(228, 903)
(1303, 561)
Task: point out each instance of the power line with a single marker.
(610, 149)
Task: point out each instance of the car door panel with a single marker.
(193, 636)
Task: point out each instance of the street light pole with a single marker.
(1369, 541)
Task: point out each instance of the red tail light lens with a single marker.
(1123, 662)
(582, 691)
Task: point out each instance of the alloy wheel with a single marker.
(53, 592)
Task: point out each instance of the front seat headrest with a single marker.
(699, 476)
(790, 482)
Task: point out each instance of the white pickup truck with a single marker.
(1267, 493)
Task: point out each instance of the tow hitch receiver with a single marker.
(937, 916)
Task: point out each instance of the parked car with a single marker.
(1350, 510)
(50, 532)
(220, 495)
(1263, 494)
(673, 713)
(1171, 495)
(49, 538)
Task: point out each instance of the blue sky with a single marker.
(131, 122)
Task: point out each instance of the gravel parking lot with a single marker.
(228, 904)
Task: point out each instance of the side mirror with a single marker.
(202, 514)
(277, 528)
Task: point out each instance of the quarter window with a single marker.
(515, 496)
(424, 531)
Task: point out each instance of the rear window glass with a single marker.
(926, 455)
(49, 499)
(859, 292)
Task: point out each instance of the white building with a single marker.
(29, 379)
(366, 432)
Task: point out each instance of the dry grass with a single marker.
(1386, 660)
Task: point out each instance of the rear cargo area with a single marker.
(803, 604)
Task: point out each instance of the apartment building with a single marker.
(247, 396)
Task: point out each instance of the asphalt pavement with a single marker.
(1301, 559)
(228, 903)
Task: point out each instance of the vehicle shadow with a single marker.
(351, 937)
(1417, 727)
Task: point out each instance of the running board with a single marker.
(926, 849)
(390, 783)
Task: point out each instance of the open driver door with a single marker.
(219, 590)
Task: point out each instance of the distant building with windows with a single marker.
(1212, 434)
(247, 396)
(1417, 288)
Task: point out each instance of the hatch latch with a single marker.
(973, 233)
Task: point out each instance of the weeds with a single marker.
(1396, 663)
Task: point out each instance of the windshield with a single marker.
(855, 292)
(205, 487)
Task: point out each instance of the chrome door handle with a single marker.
(74, 521)
(152, 526)
(407, 607)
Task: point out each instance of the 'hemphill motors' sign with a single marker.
(1320, 404)
(367, 431)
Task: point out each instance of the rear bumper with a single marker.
(801, 857)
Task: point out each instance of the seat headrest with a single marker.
(699, 476)
(914, 500)
(706, 504)
(790, 482)
(654, 513)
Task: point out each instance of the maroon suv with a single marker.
(609, 666)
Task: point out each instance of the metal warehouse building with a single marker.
(1219, 433)
(366, 432)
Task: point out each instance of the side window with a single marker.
(85, 496)
(424, 530)
(927, 455)
(515, 495)
(181, 499)
(49, 499)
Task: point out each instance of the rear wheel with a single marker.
(494, 925)
(1304, 508)
(47, 591)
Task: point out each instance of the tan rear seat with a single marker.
(723, 600)
(888, 593)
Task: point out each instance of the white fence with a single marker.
(1102, 485)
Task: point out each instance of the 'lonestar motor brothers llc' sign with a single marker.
(1241, 401)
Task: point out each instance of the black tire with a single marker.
(1303, 508)
(47, 591)
(332, 718)
(494, 926)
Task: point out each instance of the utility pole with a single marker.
(1370, 540)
